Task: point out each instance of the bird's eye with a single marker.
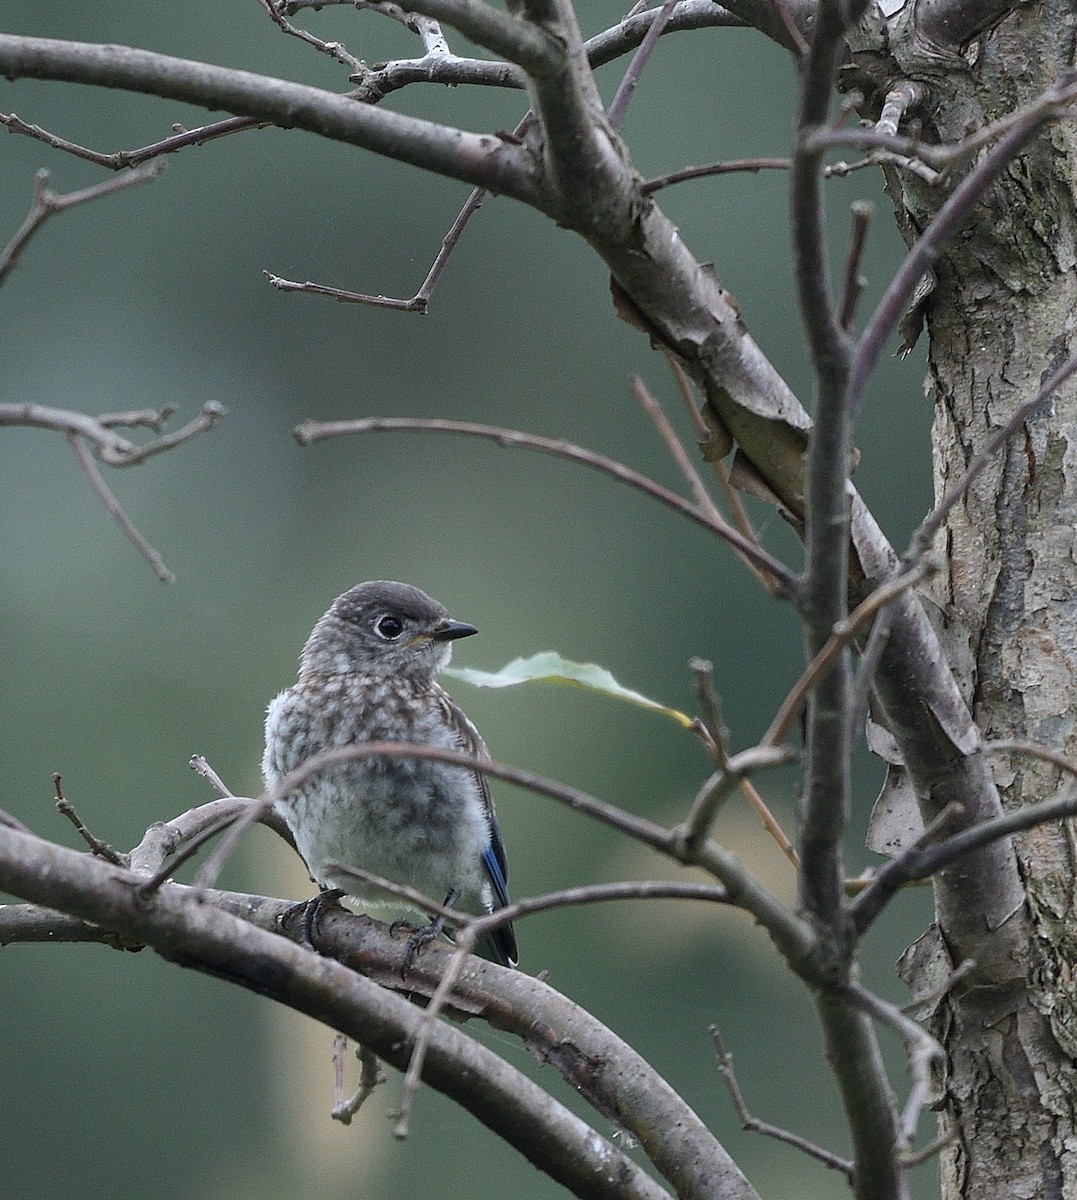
(389, 628)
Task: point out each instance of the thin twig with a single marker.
(211, 413)
(927, 1002)
(474, 930)
(797, 42)
(195, 843)
(1031, 750)
(615, 114)
(420, 302)
(854, 281)
(699, 489)
(711, 703)
(914, 1158)
(843, 634)
(637, 827)
(870, 656)
(945, 154)
(755, 1125)
(120, 160)
(161, 840)
(901, 99)
(312, 431)
(676, 448)
(145, 418)
(922, 1050)
(716, 168)
(712, 447)
(97, 846)
(713, 793)
(370, 1077)
(46, 202)
(425, 1031)
(793, 937)
(200, 766)
(408, 896)
(109, 446)
(916, 863)
(334, 50)
(115, 509)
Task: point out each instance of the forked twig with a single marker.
(370, 1077)
(838, 640)
(755, 1125)
(46, 202)
(120, 160)
(97, 846)
(923, 1052)
(115, 509)
(615, 114)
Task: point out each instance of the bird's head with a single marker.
(382, 628)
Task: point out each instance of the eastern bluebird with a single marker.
(366, 674)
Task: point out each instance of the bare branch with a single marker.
(615, 114)
(200, 766)
(478, 159)
(370, 1077)
(852, 1050)
(109, 447)
(115, 509)
(181, 926)
(121, 159)
(715, 791)
(521, 42)
(854, 281)
(420, 301)
(824, 589)
(755, 1125)
(843, 634)
(923, 1051)
(313, 431)
(919, 862)
(46, 202)
(334, 50)
(718, 168)
(96, 845)
(793, 937)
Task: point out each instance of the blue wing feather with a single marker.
(500, 945)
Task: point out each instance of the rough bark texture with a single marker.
(1000, 319)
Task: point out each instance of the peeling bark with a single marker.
(1001, 317)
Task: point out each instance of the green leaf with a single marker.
(549, 667)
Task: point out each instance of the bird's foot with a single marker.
(417, 941)
(420, 938)
(309, 912)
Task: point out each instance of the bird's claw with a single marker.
(309, 912)
(418, 940)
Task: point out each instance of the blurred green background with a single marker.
(122, 1076)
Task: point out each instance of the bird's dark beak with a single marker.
(449, 631)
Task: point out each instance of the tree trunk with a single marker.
(1000, 320)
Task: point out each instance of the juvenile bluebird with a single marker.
(367, 674)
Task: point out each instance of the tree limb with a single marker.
(480, 159)
(180, 925)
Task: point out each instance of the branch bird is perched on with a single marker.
(367, 674)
